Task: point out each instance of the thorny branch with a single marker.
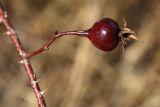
(24, 60)
(24, 56)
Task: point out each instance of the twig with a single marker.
(54, 37)
(24, 60)
(24, 56)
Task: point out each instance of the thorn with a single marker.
(8, 33)
(36, 81)
(56, 32)
(24, 61)
(5, 14)
(12, 31)
(21, 62)
(42, 92)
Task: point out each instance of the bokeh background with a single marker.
(74, 72)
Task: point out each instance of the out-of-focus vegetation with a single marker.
(75, 73)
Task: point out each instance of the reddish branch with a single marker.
(54, 37)
(23, 58)
(98, 37)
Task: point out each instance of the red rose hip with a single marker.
(104, 34)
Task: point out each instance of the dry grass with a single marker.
(75, 73)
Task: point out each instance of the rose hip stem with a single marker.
(56, 35)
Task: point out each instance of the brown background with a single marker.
(75, 73)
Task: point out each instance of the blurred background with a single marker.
(75, 73)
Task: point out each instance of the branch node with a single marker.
(26, 61)
(23, 54)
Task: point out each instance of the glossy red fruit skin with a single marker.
(104, 34)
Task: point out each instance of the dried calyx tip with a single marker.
(133, 37)
(126, 34)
